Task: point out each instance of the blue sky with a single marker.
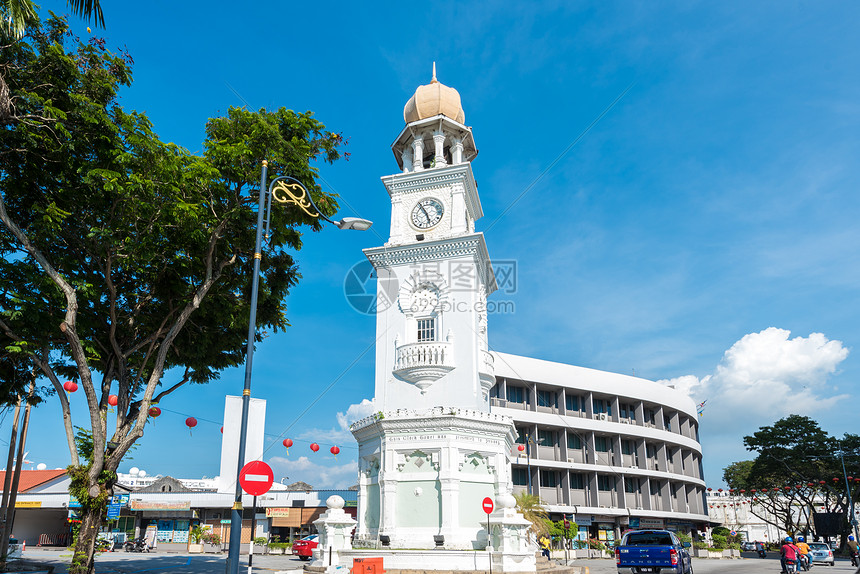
(704, 231)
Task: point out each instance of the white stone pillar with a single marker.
(334, 528)
(418, 153)
(458, 209)
(439, 142)
(449, 486)
(406, 159)
(456, 151)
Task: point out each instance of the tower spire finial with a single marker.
(434, 80)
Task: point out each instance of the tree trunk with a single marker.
(83, 560)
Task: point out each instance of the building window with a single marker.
(546, 437)
(520, 476)
(655, 488)
(517, 395)
(631, 484)
(650, 451)
(650, 417)
(605, 483)
(521, 436)
(573, 441)
(548, 479)
(669, 456)
(601, 444)
(627, 447)
(426, 330)
(601, 406)
(577, 481)
(572, 403)
(626, 411)
(547, 399)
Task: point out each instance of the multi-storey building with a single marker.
(613, 450)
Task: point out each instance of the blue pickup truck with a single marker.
(653, 551)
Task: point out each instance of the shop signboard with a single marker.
(28, 504)
(583, 520)
(634, 522)
(656, 523)
(114, 511)
(154, 505)
(272, 512)
(74, 502)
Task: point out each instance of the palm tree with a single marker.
(533, 510)
(16, 15)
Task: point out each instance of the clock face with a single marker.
(427, 213)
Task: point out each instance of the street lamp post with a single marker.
(283, 189)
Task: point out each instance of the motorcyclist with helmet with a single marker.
(788, 553)
(853, 549)
(805, 557)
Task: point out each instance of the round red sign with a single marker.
(256, 477)
(488, 505)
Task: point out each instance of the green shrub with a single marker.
(720, 542)
(260, 541)
(700, 545)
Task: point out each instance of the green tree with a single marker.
(533, 510)
(125, 257)
(797, 471)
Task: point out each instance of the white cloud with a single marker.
(763, 377)
(303, 469)
(355, 412)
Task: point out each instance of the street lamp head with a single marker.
(355, 223)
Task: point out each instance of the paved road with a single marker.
(155, 563)
(126, 563)
(769, 565)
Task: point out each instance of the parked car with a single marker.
(821, 552)
(748, 546)
(304, 548)
(652, 551)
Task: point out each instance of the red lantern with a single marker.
(731, 490)
(835, 479)
(154, 412)
(822, 482)
(850, 478)
(315, 447)
(743, 491)
(191, 422)
(288, 442)
(70, 386)
(113, 400)
(810, 484)
(788, 488)
(222, 430)
(764, 490)
(710, 489)
(334, 450)
(753, 491)
(719, 490)
(522, 447)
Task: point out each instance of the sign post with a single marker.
(487, 505)
(566, 539)
(256, 478)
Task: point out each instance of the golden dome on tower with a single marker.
(434, 99)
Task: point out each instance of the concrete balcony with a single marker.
(423, 363)
(487, 371)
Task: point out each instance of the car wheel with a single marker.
(305, 557)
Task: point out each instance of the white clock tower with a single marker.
(433, 451)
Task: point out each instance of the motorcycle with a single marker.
(855, 558)
(762, 553)
(137, 545)
(791, 567)
(805, 563)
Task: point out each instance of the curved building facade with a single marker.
(613, 450)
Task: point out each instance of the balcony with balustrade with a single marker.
(424, 363)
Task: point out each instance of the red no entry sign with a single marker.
(256, 477)
(487, 504)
